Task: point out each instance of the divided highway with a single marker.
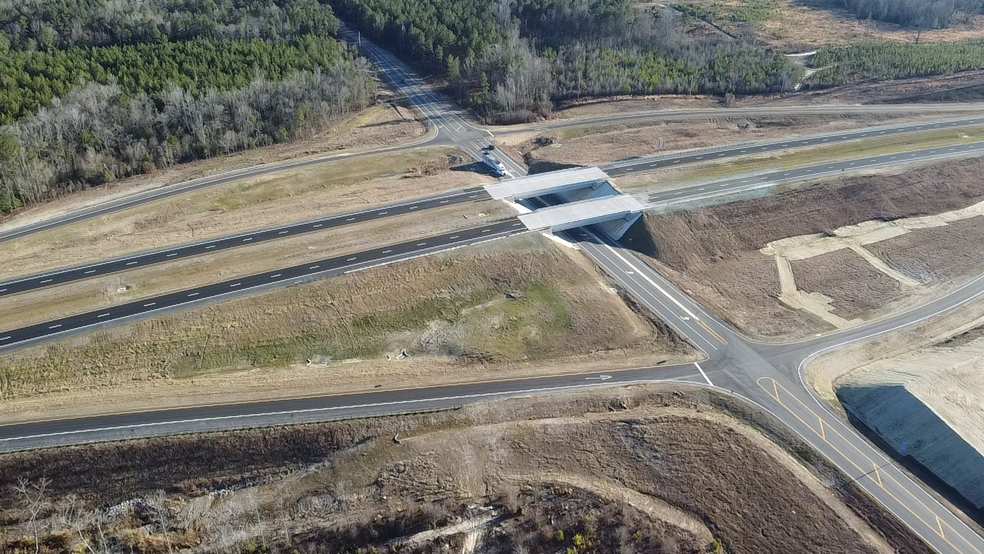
(752, 182)
(296, 275)
(649, 163)
(89, 271)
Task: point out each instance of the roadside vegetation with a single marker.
(512, 61)
(661, 469)
(483, 310)
(91, 92)
(878, 61)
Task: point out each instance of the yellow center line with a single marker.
(940, 523)
(850, 461)
(882, 485)
(711, 331)
(823, 432)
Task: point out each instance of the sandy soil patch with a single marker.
(60, 301)
(299, 195)
(644, 469)
(926, 405)
(387, 123)
(936, 255)
(519, 306)
(714, 252)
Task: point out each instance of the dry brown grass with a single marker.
(387, 123)
(714, 251)
(519, 306)
(596, 145)
(681, 468)
(299, 195)
(51, 303)
(857, 289)
(794, 26)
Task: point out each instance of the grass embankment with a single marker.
(296, 195)
(808, 157)
(482, 312)
(138, 284)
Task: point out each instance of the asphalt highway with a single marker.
(752, 182)
(296, 275)
(649, 163)
(89, 271)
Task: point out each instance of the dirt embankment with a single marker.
(715, 252)
(644, 469)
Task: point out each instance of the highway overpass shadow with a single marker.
(541, 166)
(474, 167)
(639, 239)
(917, 438)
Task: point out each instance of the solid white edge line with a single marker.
(701, 370)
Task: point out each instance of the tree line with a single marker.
(96, 90)
(47, 24)
(876, 61)
(99, 133)
(511, 60)
(919, 14)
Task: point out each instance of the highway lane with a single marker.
(88, 271)
(18, 338)
(747, 183)
(139, 199)
(313, 409)
(704, 155)
(749, 370)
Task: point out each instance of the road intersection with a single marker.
(770, 376)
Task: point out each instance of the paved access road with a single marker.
(299, 274)
(89, 271)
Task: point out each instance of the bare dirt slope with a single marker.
(727, 254)
(645, 469)
(518, 306)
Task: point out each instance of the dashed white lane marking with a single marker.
(171, 255)
(131, 263)
(90, 271)
(193, 294)
(283, 232)
(149, 304)
(102, 315)
(54, 326)
(42, 282)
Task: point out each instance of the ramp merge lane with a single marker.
(295, 275)
(89, 271)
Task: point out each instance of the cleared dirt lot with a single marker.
(715, 252)
(517, 306)
(337, 187)
(387, 123)
(644, 469)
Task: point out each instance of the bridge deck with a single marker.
(546, 183)
(579, 214)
